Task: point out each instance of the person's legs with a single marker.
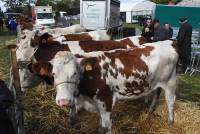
(185, 61)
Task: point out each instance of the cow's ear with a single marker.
(142, 40)
(35, 67)
(34, 42)
(89, 63)
(44, 38)
(41, 68)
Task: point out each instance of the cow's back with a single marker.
(135, 72)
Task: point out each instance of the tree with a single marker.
(15, 3)
(45, 2)
(1, 13)
(64, 5)
(76, 7)
(164, 1)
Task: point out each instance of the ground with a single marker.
(42, 116)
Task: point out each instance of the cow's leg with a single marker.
(170, 99)
(106, 123)
(105, 117)
(72, 114)
(156, 95)
(146, 100)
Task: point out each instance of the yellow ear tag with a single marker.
(88, 67)
(42, 71)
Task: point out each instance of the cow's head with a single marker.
(40, 39)
(24, 54)
(28, 45)
(43, 70)
(64, 73)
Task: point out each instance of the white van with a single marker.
(44, 15)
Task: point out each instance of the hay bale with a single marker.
(43, 116)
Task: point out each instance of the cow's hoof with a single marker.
(170, 123)
(146, 102)
(71, 123)
(102, 130)
(151, 109)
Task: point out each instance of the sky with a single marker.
(2, 6)
(127, 5)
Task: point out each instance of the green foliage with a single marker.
(72, 7)
(64, 5)
(46, 3)
(15, 3)
(26, 10)
(165, 1)
(1, 13)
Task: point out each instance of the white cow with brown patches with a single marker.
(112, 76)
(30, 44)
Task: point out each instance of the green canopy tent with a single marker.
(171, 14)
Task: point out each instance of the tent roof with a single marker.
(190, 3)
(134, 5)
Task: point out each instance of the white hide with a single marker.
(99, 35)
(56, 32)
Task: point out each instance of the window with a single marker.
(44, 16)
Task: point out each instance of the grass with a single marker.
(132, 25)
(189, 88)
(4, 54)
(42, 116)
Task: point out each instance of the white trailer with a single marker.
(100, 14)
(43, 15)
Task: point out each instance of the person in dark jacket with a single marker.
(169, 30)
(147, 31)
(184, 42)
(160, 33)
(6, 100)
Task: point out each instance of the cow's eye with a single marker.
(53, 74)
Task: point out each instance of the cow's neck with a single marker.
(48, 51)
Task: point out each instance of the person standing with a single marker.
(147, 31)
(13, 26)
(160, 34)
(184, 43)
(1, 24)
(169, 30)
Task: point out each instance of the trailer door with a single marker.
(93, 15)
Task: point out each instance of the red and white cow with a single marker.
(95, 83)
(54, 31)
(28, 47)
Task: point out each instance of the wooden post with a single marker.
(18, 99)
